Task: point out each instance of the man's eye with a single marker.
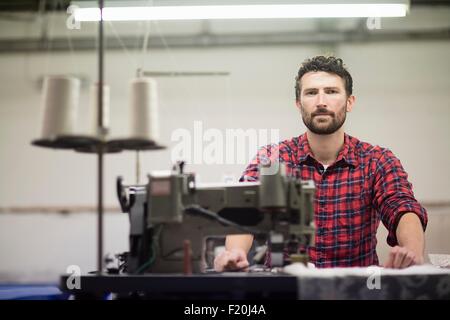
(332, 91)
(310, 93)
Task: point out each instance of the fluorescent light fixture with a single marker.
(288, 9)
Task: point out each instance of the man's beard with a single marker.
(337, 120)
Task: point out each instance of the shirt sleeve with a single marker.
(251, 173)
(393, 195)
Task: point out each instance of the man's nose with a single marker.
(321, 101)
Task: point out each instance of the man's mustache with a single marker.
(322, 111)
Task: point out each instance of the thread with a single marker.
(144, 109)
(60, 106)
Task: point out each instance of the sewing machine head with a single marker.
(172, 208)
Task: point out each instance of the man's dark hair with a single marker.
(326, 64)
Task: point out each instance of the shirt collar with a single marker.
(346, 155)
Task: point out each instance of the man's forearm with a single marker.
(410, 234)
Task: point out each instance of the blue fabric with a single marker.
(31, 292)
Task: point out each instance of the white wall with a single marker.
(402, 103)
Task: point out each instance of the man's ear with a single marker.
(297, 103)
(350, 103)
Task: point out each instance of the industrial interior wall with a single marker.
(402, 102)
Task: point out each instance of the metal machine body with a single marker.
(172, 209)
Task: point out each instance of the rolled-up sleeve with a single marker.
(251, 173)
(393, 195)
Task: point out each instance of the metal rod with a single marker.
(100, 149)
(68, 209)
(184, 73)
(138, 166)
(60, 44)
(81, 209)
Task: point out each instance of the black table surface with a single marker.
(256, 285)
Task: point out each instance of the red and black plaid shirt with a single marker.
(365, 184)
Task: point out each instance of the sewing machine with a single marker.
(175, 223)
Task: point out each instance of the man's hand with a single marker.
(231, 260)
(401, 257)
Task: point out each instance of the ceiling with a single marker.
(51, 5)
(33, 25)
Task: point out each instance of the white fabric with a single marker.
(299, 270)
